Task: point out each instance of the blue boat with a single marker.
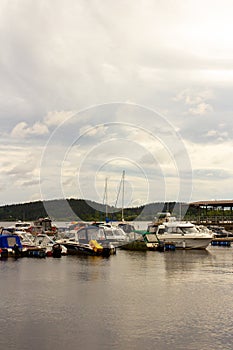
(10, 245)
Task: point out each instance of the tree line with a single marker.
(85, 210)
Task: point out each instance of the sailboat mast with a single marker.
(121, 187)
(105, 201)
(123, 195)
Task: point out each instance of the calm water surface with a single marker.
(133, 300)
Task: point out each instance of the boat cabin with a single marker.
(44, 225)
(9, 241)
(102, 234)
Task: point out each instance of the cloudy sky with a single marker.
(92, 88)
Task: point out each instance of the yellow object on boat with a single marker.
(95, 245)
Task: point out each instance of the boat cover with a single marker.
(8, 241)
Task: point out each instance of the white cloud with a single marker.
(57, 60)
(211, 155)
(22, 130)
(201, 108)
(195, 100)
(218, 135)
(55, 118)
(20, 172)
(91, 131)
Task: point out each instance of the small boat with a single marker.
(91, 248)
(19, 245)
(26, 239)
(22, 230)
(10, 245)
(220, 232)
(52, 248)
(110, 233)
(89, 240)
(181, 234)
(44, 225)
(21, 226)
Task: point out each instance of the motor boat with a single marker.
(20, 226)
(182, 234)
(90, 240)
(52, 248)
(10, 245)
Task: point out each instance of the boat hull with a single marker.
(186, 242)
(82, 249)
(135, 245)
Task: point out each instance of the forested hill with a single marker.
(70, 209)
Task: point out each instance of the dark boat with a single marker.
(89, 240)
(92, 248)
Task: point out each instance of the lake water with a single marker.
(132, 300)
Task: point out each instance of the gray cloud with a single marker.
(212, 174)
(60, 58)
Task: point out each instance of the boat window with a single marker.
(189, 229)
(152, 228)
(11, 241)
(22, 224)
(109, 233)
(70, 236)
(161, 231)
(101, 234)
(94, 233)
(119, 232)
(151, 238)
(82, 233)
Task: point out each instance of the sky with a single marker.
(89, 89)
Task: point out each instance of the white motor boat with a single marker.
(182, 234)
(115, 235)
(21, 226)
(51, 247)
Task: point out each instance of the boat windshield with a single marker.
(22, 225)
(182, 229)
(43, 240)
(114, 233)
(95, 233)
(90, 233)
(119, 232)
(109, 232)
(161, 230)
(191, 229)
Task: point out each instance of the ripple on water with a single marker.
(133, 300)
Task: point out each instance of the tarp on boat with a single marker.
(8, 241)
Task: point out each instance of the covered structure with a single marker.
(214, 212)
(214, 204)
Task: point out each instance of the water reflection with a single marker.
(132, 300)
(183, 261)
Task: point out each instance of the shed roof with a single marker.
(213, 203)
